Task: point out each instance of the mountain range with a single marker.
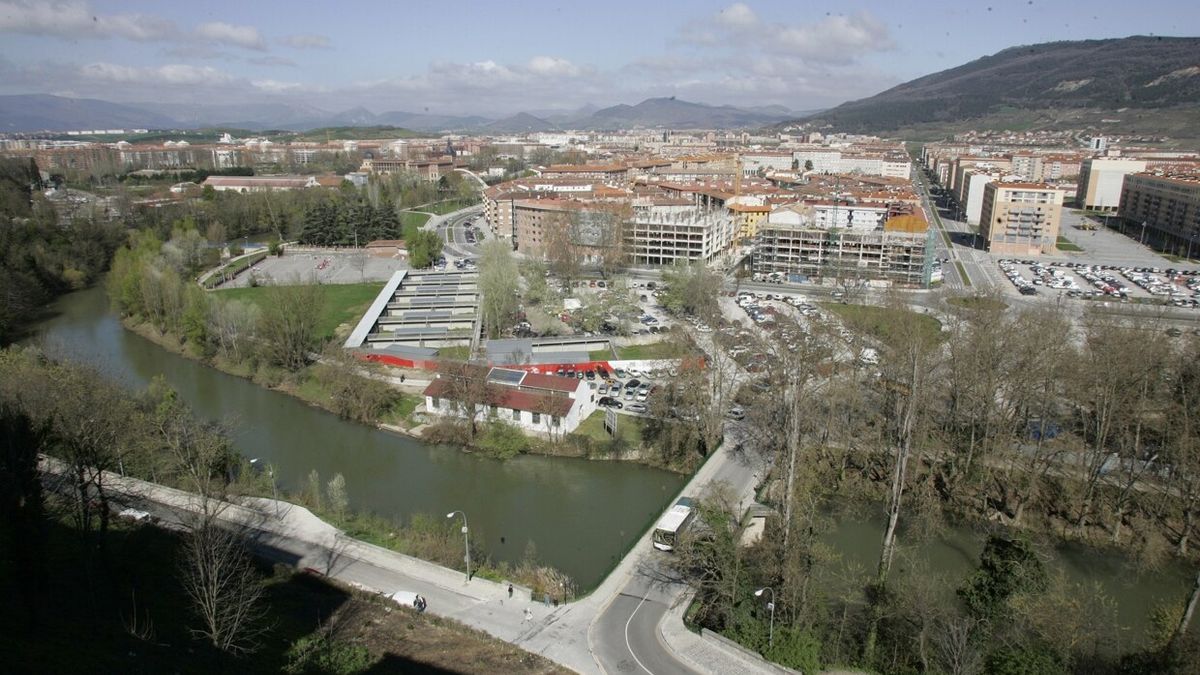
(1143, 73)
(41, 112)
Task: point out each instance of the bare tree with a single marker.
(225, 591)
(287, 324)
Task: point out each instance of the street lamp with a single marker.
(770, 606)
(466, 541)
(274, 493)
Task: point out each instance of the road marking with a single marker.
(629, 646)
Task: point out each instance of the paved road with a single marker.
(450, 229)
(624, 634)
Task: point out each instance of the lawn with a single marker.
(411, 221)
(629, 429)
(1064, 244)
(344, 303)
(878, 321)
(459, 352)
(976, 302)
(654, 350)
(962, 273)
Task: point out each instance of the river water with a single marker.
(581, 515)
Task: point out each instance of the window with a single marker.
(516, 415)
(537, 418)
(555, 420)
(437, 402)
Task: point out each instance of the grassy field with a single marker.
(344, 303)
(460, 352)
(629, 429)
(974, 302)
(878, 321)
(1064, 244)
(85, 602)
(654, 350)
(412, 221)
(233, 268)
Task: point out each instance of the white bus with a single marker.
(673, 522)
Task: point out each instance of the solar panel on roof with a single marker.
(506, 376)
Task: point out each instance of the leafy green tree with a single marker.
(424, 249)
(1007, 567)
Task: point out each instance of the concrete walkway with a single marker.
(293, 535)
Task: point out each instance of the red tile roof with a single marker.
(511, 397)
(550, 382)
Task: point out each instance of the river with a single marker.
(581, 515)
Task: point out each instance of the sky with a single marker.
(495, 58)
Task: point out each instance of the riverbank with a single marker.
(405, 418)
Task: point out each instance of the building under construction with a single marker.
(898, 250)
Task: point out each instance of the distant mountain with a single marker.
(519, 123)
(254, 116)
(38, 112)
(430, 122)
(1135, 72)
(676, 114)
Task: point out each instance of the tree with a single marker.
(424, 248)
(499, 287)
(468, 392)
(560, 247)
(691, 289)
(226, 593)
(287, 325)
(339, 501)
(907, 371)
(808, 165)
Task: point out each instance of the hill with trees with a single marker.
(1138, 73)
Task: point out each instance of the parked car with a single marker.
(736, 413)
(638, 408)
(610, 402)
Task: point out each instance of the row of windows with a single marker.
(493, 411)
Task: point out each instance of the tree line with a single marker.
(1021, 422)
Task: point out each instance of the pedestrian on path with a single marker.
(510, 590)
(528, 615)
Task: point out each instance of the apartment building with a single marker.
(1020, 218)
(1164, 210)
(1100, 180)
(799, 239)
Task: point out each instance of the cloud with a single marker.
(273, 61)
(306, 41)
(835, 39)
(170, 74)
(737, 16)
(219, 32)
(275, 86)
(550, 65)
(72, 20)
(76, 20)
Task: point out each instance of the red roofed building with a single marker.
(549, 405)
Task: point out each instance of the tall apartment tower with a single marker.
(1020, 218)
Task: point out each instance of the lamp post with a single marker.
(770, 606)
(466, 541)
(274, 492)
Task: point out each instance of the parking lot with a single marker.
(1180, 288)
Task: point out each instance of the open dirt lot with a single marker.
(323, 266)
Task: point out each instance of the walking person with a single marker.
(528, 615)
(510, 590)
